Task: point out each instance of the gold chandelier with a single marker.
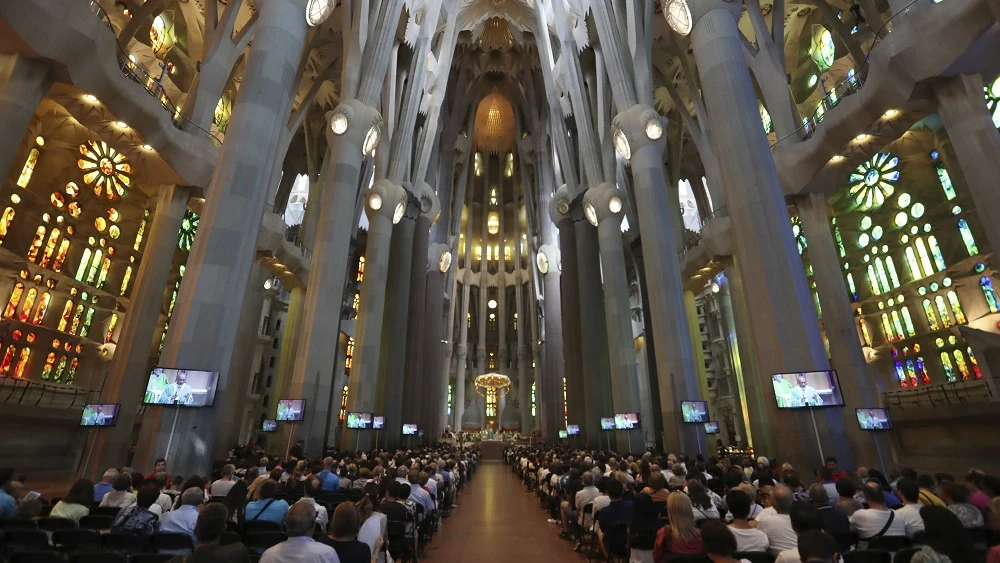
(498, 382)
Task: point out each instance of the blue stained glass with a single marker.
(967, 238)
(989, 293)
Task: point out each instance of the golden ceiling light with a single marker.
(498, 382)
(496, 36)
(494, 130)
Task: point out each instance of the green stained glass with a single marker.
(936, 253)
(904, 200)
(956, 210)
(872, 181)
(989, 293)
(891, 268)
(897, 324)
(900, 219)
(917, 210)
(925, 260)
(866, 223)
(956, 307)
(932, 321)
(189, 227)
(876, 232)
(851, 288)
(81, 271)
(86, 323)
(840, 242)
(765, 118)
(886, 327)
(949, 371)
(873, 280)
(993, 100)
(960, 364)
(863, 240)
(882, 278)
(95, 264)
(907, 321)
(967, 238)
(819, 308)
(942, 310)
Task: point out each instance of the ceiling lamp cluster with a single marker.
(498, 382)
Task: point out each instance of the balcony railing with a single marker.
(153, 86)
(952, 393)
(849, 86)
(293, 233)
(15, 391)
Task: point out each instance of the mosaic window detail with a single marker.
(189, 227)
(873, 181)
(105, 169)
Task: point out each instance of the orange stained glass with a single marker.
(61, 255)
(111, 328)
(64, 319)
(60, 369)
(43, 306)
(29, 302)
(105, 269)
(32, 337)
(15, 298)
(8, 357)
(36, 243)
(50, 248)
(73, 365)
(76, 319)
(126, 280)
(22, 362)
(28, 169)
(8, 216)
(50, 361)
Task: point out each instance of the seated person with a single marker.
(719, 542)
(909, 513)
(300, 545)
(343, 536)
(804, 518)
(834, 521)
(657, 487)
(747, 538)
(956, 497)
(846, 501)
(138, 518)
(681, 536)
(184, 519)
(268, 508)
(778, 525)
(210, 527)
(76, 504)
(617, 511)
(816, 546)
(120, 496)
(876, 520)
(701, 502)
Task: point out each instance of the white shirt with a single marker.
(584, 496)
(750, 540)
(301, 549)
(709, 513)
(780, 535)
(221, 487)
(869, 521)
(322, 517)
(371, 530)
(910, 515)
(789, 556)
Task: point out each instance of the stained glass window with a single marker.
(50, 361)
(942, 310)
(907, 321)
(43, 306)
(873, 280)
(66, 314)
(343, 404)
(8, 359)
(929, 313)
(532, 398)
(15, 298)
(936, 252)
(765, 118)
(95, 263)
(850, 286)
(36, 243)
(60, 369)
(565, 405)
(491, 402)
(361, 268)
(61, 255)
(110, 333)
(138, 235)
(956, 307)
(189, 227)
(901, 375)
(71, 375)
(891, 268)
(800, 237)
(81, 270)
(865, 334)
(105, 270)
(911, 262)
(872, 181)
(840, 241)
(894, 315)
(449, 398)
(986, 284)
(86, 323)
(925, 260)
(882, 279)
(77, 317)
(887, 327)
(945, 179)
(967, 238)
(993, 100)
(29, 302)
(349, 359)
(949, 371)
(975, 363)
(105, 169)
(22, 362)
(125, 280)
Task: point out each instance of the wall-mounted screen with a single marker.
(182, 387)
(378, 422)
(572, 429)
(99, 415)
(694, 411)
(563, 434)
(409, 430)
(874, 419)
(608, 423)
(269, 425)
(359, 420)
(290, 410)
(627, 421)
(712, 427)
(798, 390)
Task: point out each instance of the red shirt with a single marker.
(153, 476)
(666, 546)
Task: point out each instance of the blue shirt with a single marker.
(100, 490)
(275, 511)
(8, 506)
(181, 521)
(329, 480)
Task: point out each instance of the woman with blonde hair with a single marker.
(296, 484)
(253, 493)
(681, 537)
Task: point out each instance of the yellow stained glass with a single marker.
(956, 308)
(22, 362)
(77, 317)
(105, 169)
(43, 306)
(61, 255)
(15, 298)
(50, 248)
(5, 220)
(8, 358)
(29, 302)
(28, 169)
(60, 369)
(50, 361)
(126, 280)
(36, 243)
(64, 319)
(105, 268)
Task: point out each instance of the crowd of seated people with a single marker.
(652, 508)
(348, 507)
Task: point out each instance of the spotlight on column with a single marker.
(563, 206)
(371, 140)
(397, 215)
(654, 130)
(614, 205)
(375, 202)
(715, 287)
(591, 213)
(621, 143)
(338, 124)
(445, 262)
(317, 11)
(492, 303)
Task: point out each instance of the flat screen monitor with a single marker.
(181, 387)
(409, 430)
(378, 422)
(563, 434)
(290, 410)
(627, 421)
(99, 415)
(712, 427)
(359, 420)
(694, 411)
(607, 423)
(806, 389)
(572, 429)
(269, 425)
(874, 419)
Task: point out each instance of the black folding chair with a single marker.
(230, 538)
(616, 543)
(754, 556)
(690, 559)
(867, 556)
(36, 556)
(172, 543)
(55, 524)
(983, 538)
(76, 540)
(845, 540)
(888, 543)
(152, 558)
(18, 524)
(25, 540)
(259, 542)
(254, 526)
(111, 511)
(905, 555)
(125, 543)
(96, 522)
(395, 531)
(98, 557)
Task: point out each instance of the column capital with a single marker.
(638, 127)
(430, 205)
(440, 255)
(387, 199)
(604, 201)
(355, 123)
(564, 206)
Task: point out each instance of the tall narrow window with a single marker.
(907, 321)
(942, 310)
(343, 404)
(77, 318)
(109, 334)
(891, 268)
(925, 260)
(61, 255)
(851, 287)
(960, 364)
(491, 402)
(22, 362)
(71, 374)
(932, 321)
(105, 270)
(138, 235)
(349, 355)
(882, 279)
(897, 324)
(8, 359)
(29, 168)
(15, 298)
(936, 253)
(945, 179)
(449, 399)
(60, 369)
(81, 270)
(911, 262)
(361, 268)
(5, 220)
(956, 308)
(911, 372)
(949, 371)
(967, 238)
(43, 306)
(901, 375)
(840, 242)
(50, 248)
(125, 280)
(29, 302)
(95, 263)
(975, 363)
(922, 371)
(36, 243)
(86, 323)
(532, 398)
(50, 362)
(865, 334)
(887, 327)
(565, 406)
(989, 293)
(873, 280)
(66, 314)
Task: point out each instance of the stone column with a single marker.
(857, 381)
(753, 402)
(385, 204)
(417, 384)
(436, 342)
(23, 84)
(462, 346)
(286, 365)
(694, 334)
(655, 422)
(206, 320)
(593, 394)
(976, 142)
(642, 130)
(523, 387)
(782, 316)
(562, 214)
(127, 377)
(312, 375)
(604, 209)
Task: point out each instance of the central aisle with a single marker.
(498, 522)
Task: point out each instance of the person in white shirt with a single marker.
(747, 538)
(778, 526)
(221, 487)
(300, 545)
(585, 496)
(804, 518)
(312, 487)
(909, 513)
(876, 520)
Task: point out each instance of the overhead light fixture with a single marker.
(375, 202)
(837, 158)
(614, 205)
(621, 144)
(591, 213)
(147, 148)
(715, 287)
(889, 113)
(861, 137)
(40, 141)
(338, 124)
(654, 130)
(492, 303)
(90, 98)
(121, 125)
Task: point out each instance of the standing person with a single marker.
(76, 504)
(300, 545)
(178, 392)
(805, 395)
(298, 450)
(159, 466)
(155, 387)
(208, 530)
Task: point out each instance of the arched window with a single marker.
(22, 362)
(109, 334)
(989, 293)
(922, 371)
(36, 243)
(967, 238)
(361, 268)
(50, 362)
(925, 260)
(975, 364)
(15, 298)
(449, 398)
(907, 321)
(43, 306)
(66, 314)
(532, 398)
(865, 334)
(897, 324)
(77, 317)
(60, 369)
(81, 271)
(956, 308)
(491, 402)
(945, 180)
(942, 310)
(5, 220)
(71, 375)
(29, 302)
(343, 404)
(61, 255)
(960, 364)
(936, 253)
(8, 359)
(29, 168)
(125, 280)
(349, 359)
(887, 327)
(949, 371)
(50, 248)
(932, 321)
(86, 323)
(901, 375)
